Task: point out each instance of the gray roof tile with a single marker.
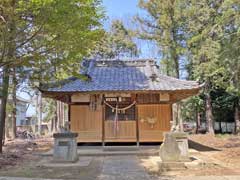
(116, 75)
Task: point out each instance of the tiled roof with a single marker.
(119, 75)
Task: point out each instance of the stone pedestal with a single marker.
(182, 141)
(170, 154)
(169, 150)
(65, 147)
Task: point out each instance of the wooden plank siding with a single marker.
(126, 131)
(162, 112)
(87, 123)
(91, 127)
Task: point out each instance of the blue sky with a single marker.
(125, 10)
(120, 8)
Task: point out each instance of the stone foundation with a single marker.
(171, 166)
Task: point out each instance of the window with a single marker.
(22, 122)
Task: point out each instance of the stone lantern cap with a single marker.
(65, 135)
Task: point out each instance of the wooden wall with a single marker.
(153, 133)
(87, 123)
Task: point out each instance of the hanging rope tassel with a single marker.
(116, 128)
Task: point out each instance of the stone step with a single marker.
(114, 151)
(121, 148)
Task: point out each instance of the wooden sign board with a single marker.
(111, 99)
(80, 98)
(164, 97)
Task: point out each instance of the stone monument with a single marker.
(170, 154)
(169, 150)
(65, 146)
(182, 141)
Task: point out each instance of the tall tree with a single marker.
(230, 55)
(204, 33)
(116, 43)
(165, 25)
(41, 34)
(213, 43)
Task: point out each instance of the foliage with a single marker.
(48, 34)
(45, 39)
(165, 24)
(213, 30)
(49, 109)
(191, 107)
(205, 36)
(116, 43)
(213, 41)
(223, 106)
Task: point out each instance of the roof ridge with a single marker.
(124, 63)
(139, 59)
(179, 80)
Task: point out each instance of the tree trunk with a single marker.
(56, 118)
(60, 114)
(39, 113)
(8, 126)
(198, 121)
(209, 115)
(5, 79)
(52, 124)
(11, 47)
(179, 116)
(174, 117)
(14, 108)
(36, 110)
(220, 127)
(237, 118)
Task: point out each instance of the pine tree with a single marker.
(165, 25)
(117, 43)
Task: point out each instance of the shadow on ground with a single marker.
(200, 147)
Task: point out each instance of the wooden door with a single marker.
(126, 131)
(154, 120)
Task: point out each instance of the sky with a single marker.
(125, 10)
(120, 8)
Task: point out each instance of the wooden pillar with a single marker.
(134, 98)
(69, 116)
(69, 112)
(137, 123)
(103, 125)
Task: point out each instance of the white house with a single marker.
(22, 106)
